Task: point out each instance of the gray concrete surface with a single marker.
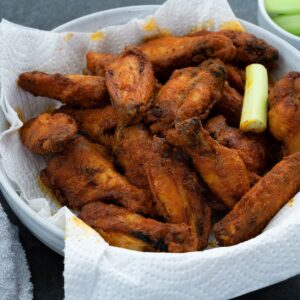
(45, 265)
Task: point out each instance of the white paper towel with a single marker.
(93, 270)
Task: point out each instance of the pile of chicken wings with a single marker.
(147, 144)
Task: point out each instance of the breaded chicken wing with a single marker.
(250, 147)
(77, 90)
(236, 77)
(97, 62)
(154, 165)
(130, 82)
(249, 217)
(84, 173)
(221, 168)
(284, 113)
(190, 92)
(48, 134)
(97, 124)
(230, 105)
(170, 53)
(144, 233)
(250, 49)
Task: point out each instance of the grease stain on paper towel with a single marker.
(151, 26)
(20, 113)
(68, 36)
(97, 36)
(207, 25)
(47, 192)
(232, 25)
(291, 202)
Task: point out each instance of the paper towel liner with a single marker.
(94, 270)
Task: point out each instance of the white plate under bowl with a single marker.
(41, 228)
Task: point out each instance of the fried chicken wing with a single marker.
(84, 173)
(221, 168)
(78, 90)
(190, 92)
(170, 53)
(250, 147)
(249, 217)
(154, 165)
(145, 233)
(48, 134)
(130, 82)
(97, 62)
(97, 124)
(236, 77)
(284, 113)
(250, 49)
(230, 105)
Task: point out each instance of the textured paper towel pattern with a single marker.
(92, 269)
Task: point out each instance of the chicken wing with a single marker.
(250, 147)
(145, 233)
(236, 77)
(250, 49)
(230, 105)
(189, 92)
(170, 53)
(78, 90)
(284, 113)
(249, 217)
(154, 165)
(130, 82)
(221, 168)
(84, 173)
(48, 134)
(97, 124)
(97, 62)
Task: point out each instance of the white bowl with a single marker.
(265, 21)
(41, 228)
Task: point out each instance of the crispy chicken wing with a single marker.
(249, 217)
(130, 82)
(48, 134)
(190, 92)
(78, 90)
(250, 49)
(133, 230)
(170, 53)
(221, 168)
(84, 173)
(96, 124)
(230, 105)
(154, 165)
(284, 113)
(236, 77)
(97, 62)
(250, 147)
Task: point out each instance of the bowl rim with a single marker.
(6, 184)
(266, 16)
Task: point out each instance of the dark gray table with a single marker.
(46, 266)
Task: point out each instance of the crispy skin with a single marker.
(170, 53)
(48, 134)
(158, 236)
(97, 124)
(77, 90)
(236, 77)
(250, 49)
(152, 164)
(250, 147)
(249, 217)
(230, 105)
(284, 113)
(84, 173)
(189, 92)
(130, 82)
(221, 168)
(97, 62)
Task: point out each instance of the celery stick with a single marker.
(290, 23)
(282, 6)
(254, 111)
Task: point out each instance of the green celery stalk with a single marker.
(282, 6)
(255, 102)
(290, 23)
